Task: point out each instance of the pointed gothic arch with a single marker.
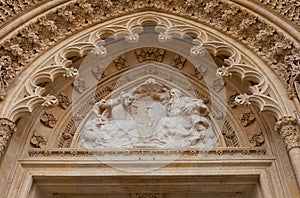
(248, 130)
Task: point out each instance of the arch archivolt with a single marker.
(63, 67)
(241, 83)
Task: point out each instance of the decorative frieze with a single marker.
(218, 85)
(289, 130)
(142, 154)
(7, 128)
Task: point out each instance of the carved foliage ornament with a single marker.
(257, 139)
(289, 131)
(274, 47)
(48, 119)
(38, 140)
(7, 128)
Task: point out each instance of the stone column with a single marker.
(289, 130)
(7, 128)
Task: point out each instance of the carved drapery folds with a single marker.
(289, 130)
(7, 128)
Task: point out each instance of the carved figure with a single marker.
(150, 115)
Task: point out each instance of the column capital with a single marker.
(288, 128)
(7, 128)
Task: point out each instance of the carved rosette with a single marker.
(287, 128)
(7, 128)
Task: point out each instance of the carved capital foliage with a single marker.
(276, 48)
(289, 131)
(7, 128)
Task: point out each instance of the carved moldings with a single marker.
(7, 128)
(48, 119)
(289, 131)
(274, 47)
(257, 139)
(150, 54)
(247, 118)
(38, 141)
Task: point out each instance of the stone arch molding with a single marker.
(262, 94)
(278, 48)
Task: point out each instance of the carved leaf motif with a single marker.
(38, 141)
(257, 139)
(179, 62)
(287, 128)
(121, 62)
(7, 128)
(64, 101)
(150, 54)
(48, 119)
(247, 118)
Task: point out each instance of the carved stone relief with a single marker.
(99, 72)
(179, 62)
(7, 74)
(287, 128)
(247, 118)
(120, 62)
(150, 54)
(231, 100)
(38, 140)
(7, 128)
(229, 135)
(288, 8)
(274, 47)
(48, 119)
(80, 85)
(257, 139)
(63, 100)
(218, 85)
(150, 115)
